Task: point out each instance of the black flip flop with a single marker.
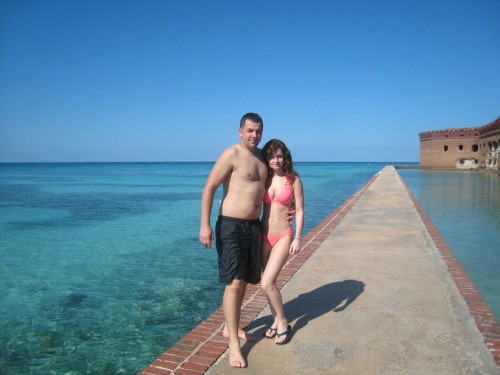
(272, 330)
(287, 338)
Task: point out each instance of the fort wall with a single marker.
(462, 148)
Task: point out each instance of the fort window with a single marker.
(445, 148)
(475, 148)
(461, 147)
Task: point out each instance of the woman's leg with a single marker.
(266, 253)
(273, 261)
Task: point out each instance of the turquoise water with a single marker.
(101, 266)
(465, 208)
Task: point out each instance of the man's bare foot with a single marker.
(241, 334)
(236, 358)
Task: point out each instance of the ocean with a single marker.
(101, 265)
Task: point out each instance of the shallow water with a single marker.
(465, 208)
(101, 266)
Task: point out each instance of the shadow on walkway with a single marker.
(308, 306)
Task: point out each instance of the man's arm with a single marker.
(220, 171)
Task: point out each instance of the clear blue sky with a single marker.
(336, 80)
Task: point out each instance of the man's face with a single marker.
(251, 134)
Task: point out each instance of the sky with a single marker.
(161, 81)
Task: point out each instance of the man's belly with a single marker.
(240, 210)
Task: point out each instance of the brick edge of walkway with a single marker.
(194, 353)
(485, 321)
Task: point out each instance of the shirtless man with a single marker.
(242, 171)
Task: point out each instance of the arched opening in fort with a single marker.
(475, 148)
(460, 147)
(467, 163)
(445, 148)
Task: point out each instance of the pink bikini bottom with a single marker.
(273, 238)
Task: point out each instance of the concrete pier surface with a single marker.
(375, 291)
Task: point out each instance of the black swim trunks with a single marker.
(238, 246)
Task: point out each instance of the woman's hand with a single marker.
(295, 246)
(291, 213)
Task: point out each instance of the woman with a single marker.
(283, 186)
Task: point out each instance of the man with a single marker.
(242, 171)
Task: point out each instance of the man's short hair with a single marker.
(254, 117)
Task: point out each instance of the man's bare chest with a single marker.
(251, 172)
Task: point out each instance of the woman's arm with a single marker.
(299, 216)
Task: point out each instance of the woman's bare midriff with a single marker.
(274, 219)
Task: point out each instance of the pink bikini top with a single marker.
(285, 196)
